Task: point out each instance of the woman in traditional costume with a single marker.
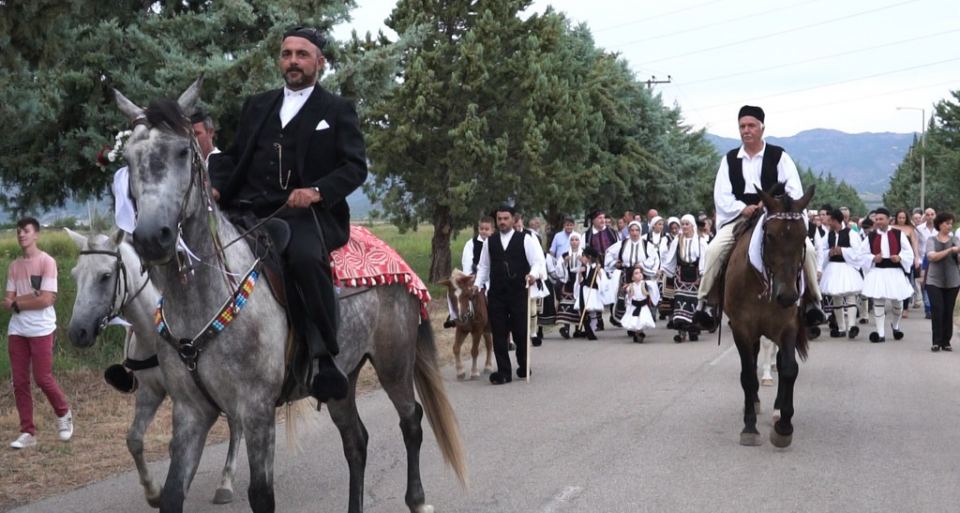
(684, 264)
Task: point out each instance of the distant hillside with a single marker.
(865, 161)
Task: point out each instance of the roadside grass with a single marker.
(102, 414)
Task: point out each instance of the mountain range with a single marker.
(866, 161)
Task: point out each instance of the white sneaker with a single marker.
(23, 441)
(65, 426)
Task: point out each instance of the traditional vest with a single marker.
(269, 181)
(603, 240)
(627, 242)
(843, 240)
(768, 173)
(477, 248)
(893, 235)
(508, 267)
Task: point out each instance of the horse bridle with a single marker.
(768, 273)
(120, 285)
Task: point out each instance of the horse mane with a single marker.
(166, 114)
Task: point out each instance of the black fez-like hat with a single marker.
(505, 208)
(309, 33)
(866, 222)
(883, 211)
(750, 110)
(198, 117)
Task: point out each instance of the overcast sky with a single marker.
(842, 64)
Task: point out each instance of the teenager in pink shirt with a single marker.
(31, 292)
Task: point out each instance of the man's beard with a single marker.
(303, 81)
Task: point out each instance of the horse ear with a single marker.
(129, 108)
(188, 100)
(444, 282)
(767, 199)
(77, 239)
(802, 203)
(118, 237)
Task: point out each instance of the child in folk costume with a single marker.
(887, 259)
(568, 270)
(631, 252)
(684, 263)
(592, 279)
(839, 266)
(638, 316)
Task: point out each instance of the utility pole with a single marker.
(653, 80)
(923, 156)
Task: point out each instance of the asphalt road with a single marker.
(611, 426)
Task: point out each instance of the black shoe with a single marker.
(590, 334)
(639, 336)
(947, 347)
(835, 333)
(120, 378)
(579, 334)
(813, 332)
(705, 320)
(876, 338)
(832, 322)
(862, 321)
(522, 372)
(565, 331)
(678, 338)
(614, 321)
(927, 315)
(600, 324)
(449, 324)
(897, 335)
(694, 337)
(330, 382)
(853, 332)
(499, 379)
(935, 348)
(814, 315)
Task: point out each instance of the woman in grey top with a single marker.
(943, 279)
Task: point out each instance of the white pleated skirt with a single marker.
(887, 283)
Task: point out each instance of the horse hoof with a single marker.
(767, 382)
(488, 370)
(750, 439)
(474, 376)
(223, 496)
(423, 508)
(778, 440)
(461, 376)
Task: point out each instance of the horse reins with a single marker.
(768, 274)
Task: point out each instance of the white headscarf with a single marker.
(695, 245)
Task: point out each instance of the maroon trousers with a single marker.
(35, 353)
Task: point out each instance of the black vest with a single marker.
(268, 183)
(508, 267)
(477, 248)
(842, 240)
(768, 173)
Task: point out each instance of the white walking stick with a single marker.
(531, 325)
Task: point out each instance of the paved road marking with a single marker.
(568, 494)
(723, 354)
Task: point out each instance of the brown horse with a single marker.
(470, 306)
(768, 304)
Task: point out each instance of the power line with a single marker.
(657, 16)
(861, 98)
(794, 29)
(874, 75)
(823, 57)
(715, 23)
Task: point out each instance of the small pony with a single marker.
(470, 306)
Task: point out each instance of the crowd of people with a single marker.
(632, 271)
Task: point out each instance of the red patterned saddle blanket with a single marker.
(367, 261)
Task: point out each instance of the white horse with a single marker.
(111, 283)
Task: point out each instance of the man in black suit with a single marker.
(300, 147)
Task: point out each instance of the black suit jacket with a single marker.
(332, 159)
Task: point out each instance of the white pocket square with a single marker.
(322, 125)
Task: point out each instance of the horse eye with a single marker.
(105, 276)
(184, 152)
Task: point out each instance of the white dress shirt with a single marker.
(532, 250)
(292, 103)
(728, 206)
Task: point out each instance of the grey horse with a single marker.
(242, 368)
(110, 282)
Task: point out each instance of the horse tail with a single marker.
(297, 415)
(437, 407)
(802, 341)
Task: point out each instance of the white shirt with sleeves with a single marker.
(729, 207)
(532, 250)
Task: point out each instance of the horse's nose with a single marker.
(80, 337)
(787, 299)
(153, 242)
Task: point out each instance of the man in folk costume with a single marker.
(888, 259)
(598, 235)
(623, 257)
(469, 260)
(568, 271)
(684, 263)
(510, 262)
(840, 278)
(755, 166)
(300, 147)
